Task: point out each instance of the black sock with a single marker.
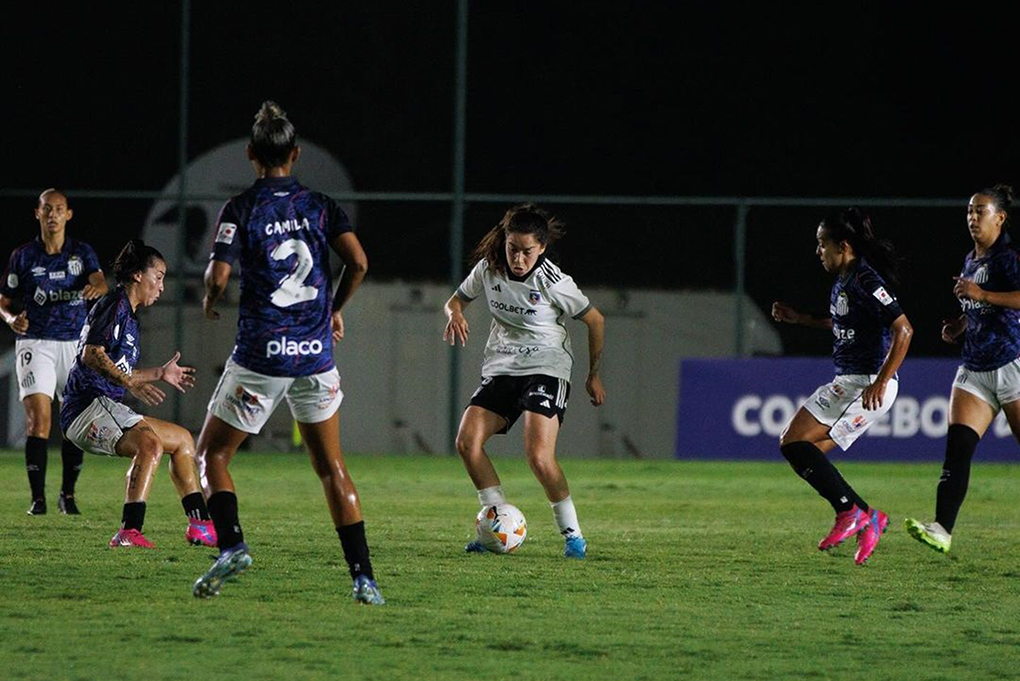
(223, 509)
(73, 458)
(194, 506)
(352, 539)
(960, 445)
(134, 516)
(810, 464)
(35, 464)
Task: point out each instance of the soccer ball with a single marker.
(501, 528)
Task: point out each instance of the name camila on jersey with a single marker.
(286, 227)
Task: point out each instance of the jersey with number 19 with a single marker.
(281, 231)
(527, 335)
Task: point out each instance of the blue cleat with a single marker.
(365, 591)
(576, 547)
(475, 546)
(229, 564)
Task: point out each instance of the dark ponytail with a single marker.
(134, 257)
(272, 136)
(854, 226)
(1002, 195)
(526, 218)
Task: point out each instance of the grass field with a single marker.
(696, 570)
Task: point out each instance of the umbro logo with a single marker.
(497, 289)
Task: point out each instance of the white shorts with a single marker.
(996, 387)
(99, 428)
(839, 406)
(245, 399)
(43, 366)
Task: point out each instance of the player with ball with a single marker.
(526, 369)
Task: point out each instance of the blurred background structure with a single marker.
(691, 152)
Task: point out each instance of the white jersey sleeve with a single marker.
(474, 284)
(568, 297)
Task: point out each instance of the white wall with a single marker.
(394, 367)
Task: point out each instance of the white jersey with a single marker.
(527, 335)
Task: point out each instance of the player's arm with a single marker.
(596, 324)
(96, 288)
(217, 274)
(783, 312)
(138, 383)
(17, 322)
(456, 324)
(964, 288)
(902, 332)
(348, 247)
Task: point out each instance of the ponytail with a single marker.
(854, 226)
(134, 257)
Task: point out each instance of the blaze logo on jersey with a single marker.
(225, 234)
(287, 346)
(123, 365)
(883, 296)
(75, 266)
(40, 296)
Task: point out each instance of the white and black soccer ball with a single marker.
(501, 528)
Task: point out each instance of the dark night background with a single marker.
(593, 98)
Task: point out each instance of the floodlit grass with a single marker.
(696, 570)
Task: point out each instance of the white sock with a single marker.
(566, 518)
(490, 496)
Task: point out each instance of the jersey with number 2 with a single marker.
(281, 231)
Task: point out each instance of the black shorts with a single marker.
(508, 396)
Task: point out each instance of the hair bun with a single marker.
(1007, 194)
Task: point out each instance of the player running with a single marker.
(527, 361)
(93, 415)
(989, 380)
(871, 337)
(49, 278)
(282, 233)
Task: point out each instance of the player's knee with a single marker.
(544, 467)
(467, 445)
(150, 446)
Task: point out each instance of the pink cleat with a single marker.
(131, 538)
(201, 532)
(867, 540)
(848, 523)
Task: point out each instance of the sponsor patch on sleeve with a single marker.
(225, 234)
(883, 296)
(12, 280)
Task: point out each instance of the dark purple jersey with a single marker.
(281, 232)
(862, 310)
(50, 287)
(992, 338)
(112, 325)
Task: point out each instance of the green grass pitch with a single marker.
(696, 571)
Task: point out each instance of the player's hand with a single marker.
(19, 324)
(783, 312)
(90, 292)
(872, 396)
(179, 377)
(952, 328)
(147, 393)
(207, 309)
(965, 288)
(594, 387)
(456, 329)
(337, 324)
